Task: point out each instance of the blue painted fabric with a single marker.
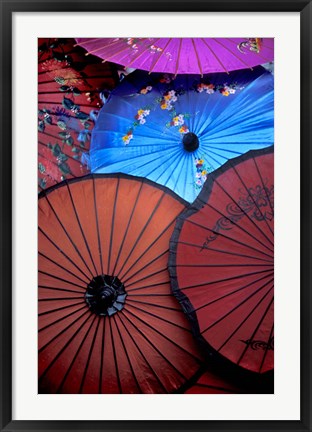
(140, 129)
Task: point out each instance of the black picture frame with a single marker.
(8, 7)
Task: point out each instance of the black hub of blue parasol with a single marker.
(190, 142)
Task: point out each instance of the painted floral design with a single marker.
(136, 42)
(209, 88)
(62, 73)
(178, 120)
(132, 43)
(155, 48)
(202, 170)
(142, 113)
(227, 90)
(128, 137)
(53, 64)
(184, 129)
(146, 90)
(251, 44)
(65, 120)
(140, 119)
(168, 100)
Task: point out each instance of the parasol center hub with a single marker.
(105, 295)
(108, 294)
(190, 142)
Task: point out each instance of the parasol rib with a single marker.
(102, 358)
(232, 292)
(115, 357)
(266, 348)
(153, 346)
(144, 267)
(59, 278)
(241, 228)
(129, 299)
(221, 251)
(60, 308)
(97, 225)
(225, 279)
(247, 215)
(59, 390)
(164, 336)
(239, 305)
(215, 56)
(266, 59)
(60, 250)
(147, 277)
(113, 227)
(101, 47)
(230, 238)
(254, 201)
(142, 354)
(135, 58)
(89, 356)
(197, 58)
(178, 58)
(59, 289)
(127, 355)
(257, 328)
(58, 299)
(160, 318)
(245, 319)
(142, 232)
(60, 319)
(232, 53)
(159, 57)
(80, 227)
(66, 344)
(128, 225)
(68, 236)
(62, 267)
(263, 185)
(148, 286)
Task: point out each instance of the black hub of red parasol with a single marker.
(105, 295)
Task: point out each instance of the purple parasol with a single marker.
(182, 55)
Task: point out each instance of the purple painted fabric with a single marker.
(182, 55)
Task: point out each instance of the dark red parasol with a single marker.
(108, 322)
(207, 382)
(222, 262)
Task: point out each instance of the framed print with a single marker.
(155, 216)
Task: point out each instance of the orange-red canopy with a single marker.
(96, 337)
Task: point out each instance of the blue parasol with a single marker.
(176, 130)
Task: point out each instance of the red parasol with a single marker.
(206, 382)
(108, 322)
(69, 85)
(221, 262)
